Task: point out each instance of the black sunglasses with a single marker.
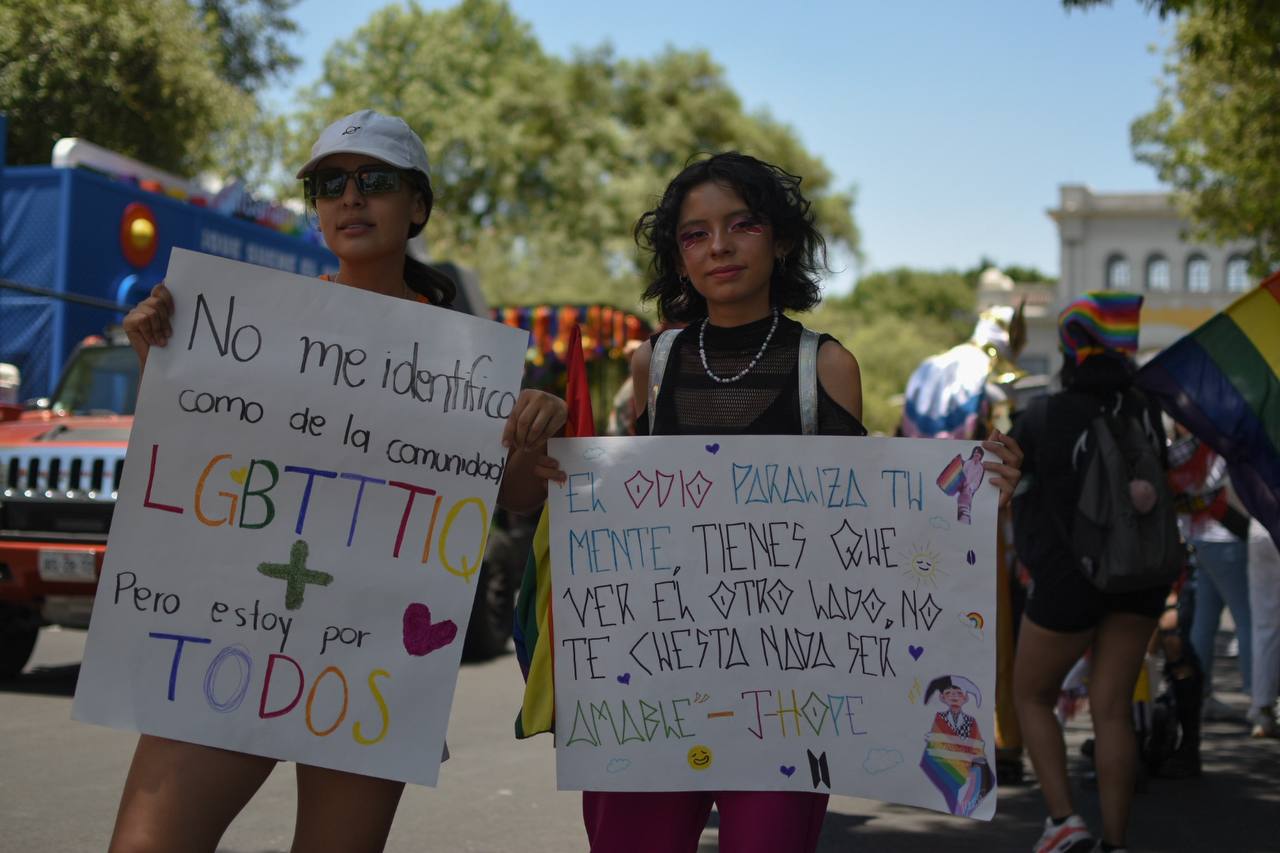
(370, 180)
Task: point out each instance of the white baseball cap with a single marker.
(369, 132)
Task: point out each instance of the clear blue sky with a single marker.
(956, 121)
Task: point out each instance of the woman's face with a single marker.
(954, 697)
(359, 228)
(725, 250)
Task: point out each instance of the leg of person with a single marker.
(1208, 613)
(642, 821)
(1230, 561)
(1182, 672)
(182, 796)
(1118, 649)
(1042, 660)
(1264, 601)
(770, 821)
(340, 812)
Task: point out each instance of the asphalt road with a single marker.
(60, 783)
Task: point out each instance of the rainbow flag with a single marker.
(952, 476)
(534, 631)
(1222, 382)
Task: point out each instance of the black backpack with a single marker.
(1117, 548)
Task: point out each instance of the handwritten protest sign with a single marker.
(776, 613)
(308, 492)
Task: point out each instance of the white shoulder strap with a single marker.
(657, 370)
(809, 340)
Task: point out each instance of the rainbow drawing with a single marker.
(975, 619)
(952, 476)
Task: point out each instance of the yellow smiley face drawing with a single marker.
(699, 757)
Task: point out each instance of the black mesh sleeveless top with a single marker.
(764, 402)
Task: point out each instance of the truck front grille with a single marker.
(69, 494)
(88, 474)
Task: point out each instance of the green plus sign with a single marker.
(295, 574)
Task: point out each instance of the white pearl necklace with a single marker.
(702, 351)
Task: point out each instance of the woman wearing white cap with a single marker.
(368, 181)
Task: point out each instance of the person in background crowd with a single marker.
(1066, 615)
(1217, 531)
(1264, 599)
(960, 393)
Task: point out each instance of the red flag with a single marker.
(576, 393)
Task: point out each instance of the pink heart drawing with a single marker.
(713, 449)
(786, 770)
(421, 637)
(625, 678)
(915, 651)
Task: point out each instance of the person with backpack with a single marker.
(1095, 525)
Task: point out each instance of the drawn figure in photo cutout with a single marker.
(954, 756)
(961, 479)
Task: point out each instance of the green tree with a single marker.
(541, 164)
(136, 76)
(250, 39)
(1214, 134)
(891, 322)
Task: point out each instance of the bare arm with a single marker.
(840, 377)
(640, 380)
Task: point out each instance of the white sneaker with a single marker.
(1070, 836)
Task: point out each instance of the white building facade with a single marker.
(1137, 242)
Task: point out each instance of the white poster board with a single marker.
(308, 491)
(776, 613)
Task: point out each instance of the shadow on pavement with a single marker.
(1231, 807)
(45, 680)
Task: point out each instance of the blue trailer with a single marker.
(80, 233)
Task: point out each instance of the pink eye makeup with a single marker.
(689, 239)
(748, 226)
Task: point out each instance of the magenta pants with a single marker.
(672, 821)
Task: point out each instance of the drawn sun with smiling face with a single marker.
(699, 757)
(922, 565)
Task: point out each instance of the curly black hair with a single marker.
(771, 193)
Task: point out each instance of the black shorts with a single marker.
(1062, 599)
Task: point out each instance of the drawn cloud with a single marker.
(617, 765)
(881, 760)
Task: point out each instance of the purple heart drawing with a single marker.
(421, 636)
(713, 449)
(915, 651)
(787, 771)
(625, 678)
